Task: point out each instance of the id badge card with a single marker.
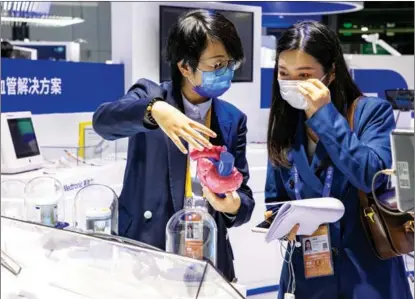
(194, 236)
(318, 261)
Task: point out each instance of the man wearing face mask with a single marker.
(203, 50)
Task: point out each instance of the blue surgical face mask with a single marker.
(214, 85)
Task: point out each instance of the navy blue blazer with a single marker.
(356, 157)
(155, 173)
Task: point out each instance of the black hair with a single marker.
(320, 42)
(6, 49)
(189, 36)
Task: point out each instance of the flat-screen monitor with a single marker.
(23, 137)
(401, 99)
(19, 147)
(24, 53)
(50, 52)
(57, 51)
(243, 21)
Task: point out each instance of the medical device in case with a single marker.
(96, 210)
(44, 201)
(403, 144)
(19, 147)
(192, 231)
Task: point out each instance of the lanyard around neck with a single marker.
(327, 182)
(188, 185)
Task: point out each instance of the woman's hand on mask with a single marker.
(176, 125)
(230, 204)
(316, 94)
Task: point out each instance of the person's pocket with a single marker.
(124, 221)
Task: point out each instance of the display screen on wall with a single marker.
(401, 99)
(49, 52)
(243, 21)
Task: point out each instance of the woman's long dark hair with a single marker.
(320, 42)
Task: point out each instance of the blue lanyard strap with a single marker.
(327, 183)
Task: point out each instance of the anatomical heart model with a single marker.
(215, 169)
(192, 231)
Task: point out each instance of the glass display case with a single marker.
(44, 201)
(44, 262)
(75, 156)
(12, 198)
(192, 231)
(96, 209)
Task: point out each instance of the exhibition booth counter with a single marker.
(43, 262)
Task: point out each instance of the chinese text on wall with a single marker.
(12, 86)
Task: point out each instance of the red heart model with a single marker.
(208, 174)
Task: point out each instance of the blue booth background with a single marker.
(43, 86)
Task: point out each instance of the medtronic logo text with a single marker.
(79, 185)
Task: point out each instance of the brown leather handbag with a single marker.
(391, 234)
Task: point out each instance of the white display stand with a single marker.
(75, 178)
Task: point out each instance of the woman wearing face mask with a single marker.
(314, 153)
(203, 50)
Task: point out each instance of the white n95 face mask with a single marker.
(289, 92)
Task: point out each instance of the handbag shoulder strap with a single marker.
(350, 119)
(351, 113)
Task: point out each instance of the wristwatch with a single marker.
(148, 117)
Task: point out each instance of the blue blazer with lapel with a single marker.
(356, 157)
(155, 171)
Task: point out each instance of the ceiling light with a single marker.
(50, 21)
(33, 13)
(364, 29)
